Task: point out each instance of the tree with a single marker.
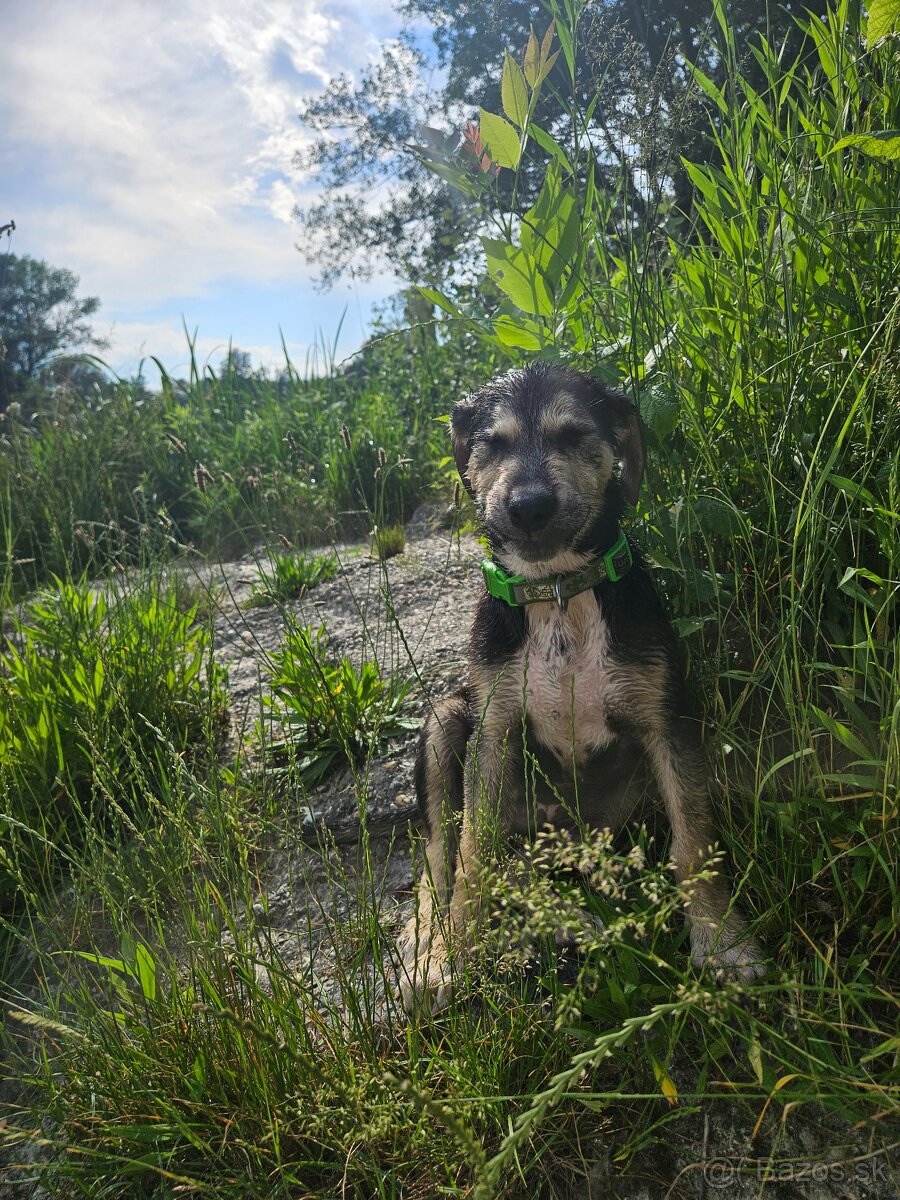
(381, 205)
(379, 202)
(40, 316)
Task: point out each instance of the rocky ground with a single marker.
(411, 613)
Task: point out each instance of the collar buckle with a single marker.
(500, 585)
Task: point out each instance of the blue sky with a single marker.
(147, 146)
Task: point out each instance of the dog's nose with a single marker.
(530, 509)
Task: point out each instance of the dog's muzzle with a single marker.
(531, 509)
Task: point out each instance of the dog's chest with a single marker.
(570, 679)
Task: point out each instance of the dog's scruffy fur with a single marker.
(593, 689)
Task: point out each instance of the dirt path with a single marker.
(411, 614)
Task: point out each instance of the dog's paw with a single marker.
(413, 942)
(728, 950)
(425, 983)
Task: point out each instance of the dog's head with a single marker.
(537, 450)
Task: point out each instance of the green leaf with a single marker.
(442, 301)
(463, 181)
(700, 178)
(547, 67)
(530, 62)
(700, 583)
(685, 626)
(717, 516)
(547, 41)
(850, 587)
(856, 491)
(715, 94)
(500, 140)
(517, 275)
(552, 147)
(883, 145)
(511, 333)
(659, 408)
(146, 971)
(754, 1053)
(890, 1047)
(113, 964)
(841, 733)
(514, 92)
(550, 229)
(568, 49)
(884, 19)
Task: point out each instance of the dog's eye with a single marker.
(569, 436)
(496, 443)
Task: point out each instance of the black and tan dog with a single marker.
(570, 654)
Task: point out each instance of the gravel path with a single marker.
(411, 614)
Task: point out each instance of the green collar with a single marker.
(515, 590)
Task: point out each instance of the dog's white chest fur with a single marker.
(569, 679)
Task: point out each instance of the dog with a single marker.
(570, 655)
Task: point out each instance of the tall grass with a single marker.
(177, 1043)
(99, 689)
(225, 459)
(762, 347)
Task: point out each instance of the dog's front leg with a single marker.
(440, 788)
(718, 932)
(492, 785)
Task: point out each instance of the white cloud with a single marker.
(162, 134)
(281, 202)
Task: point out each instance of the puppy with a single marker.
(571, 656)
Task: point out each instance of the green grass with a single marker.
(388, 541)
(287, 576)
(113, 679)
(323, 712)
(174, 1040)
(222, 461)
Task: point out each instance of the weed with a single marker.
(330, 711)
(287, 576)
(388, 541)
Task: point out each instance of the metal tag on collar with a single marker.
(500, 585)
(557, 592)
(618, 560)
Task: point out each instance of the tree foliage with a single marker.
(626, 77)
(40, 316)
(377, 197)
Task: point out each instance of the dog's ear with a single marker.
(628, 434)
(461, 421)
